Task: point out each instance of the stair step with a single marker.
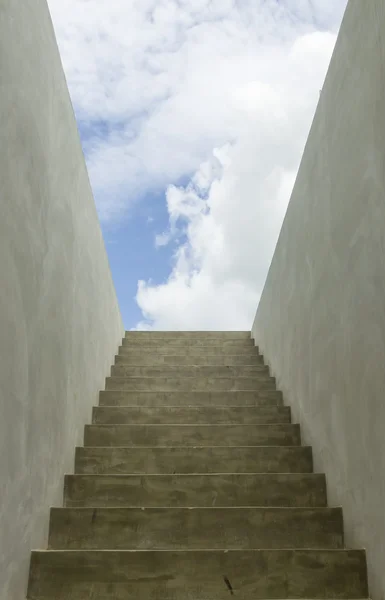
(154, 359)
(226, 459)
(189, 371)
(189, 350)
(181, 342)
(194, 529)
(189, 398)
(193, 485)
(305, 490)
(186, 384)
(188, 335)
(197, 574)
(285, 434)
(190, 414)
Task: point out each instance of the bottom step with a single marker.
(197, 575)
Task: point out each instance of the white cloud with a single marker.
(219, 90)
(231, 215)
(162, 74)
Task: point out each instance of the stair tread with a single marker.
(191, 447)
(182, 434)
(206, 527)
(207, 363)
(195, 332)
(185, 459)
(200, 383)
(153, 398)
(178, 360)
(177, 377)
(191, 370)
(200, 574)
(196, 489)
(217, 408)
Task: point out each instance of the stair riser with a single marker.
(190, 384)
(264, 459)
(186, 335)
(186, 529)
(189, 351)
(195, 490)
(198, 575)
(152, 359)
(181, 398)
(192, 435)
(168, 415)
(187, 343)
(189, 371)
(220, 336)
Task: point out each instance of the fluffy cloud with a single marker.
(227, 219)
(220, 91)
(153, 81)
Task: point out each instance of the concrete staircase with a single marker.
(193, 485)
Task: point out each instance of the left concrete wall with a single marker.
(60, 324)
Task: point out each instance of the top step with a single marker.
(177, 340)
(220, 336)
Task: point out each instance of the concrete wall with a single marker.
(321, 319)
(60, 324)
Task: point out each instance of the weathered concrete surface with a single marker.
(181, 398)
(285, 434)
(150, 359)
(59, 319)
(187, 384)
(188, 337)
(321, 319)
(294, 489)
(189, 371)
(134, 350)
(190, 414)
(196, 510)
(199, 343)
(194, 528)
(198, 575)
(220, 459)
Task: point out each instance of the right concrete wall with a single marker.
(321, 319)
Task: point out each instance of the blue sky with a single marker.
(130, 239)
(193, 115)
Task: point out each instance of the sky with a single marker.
(193, 116)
